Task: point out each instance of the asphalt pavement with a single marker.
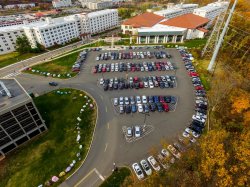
(109, 144)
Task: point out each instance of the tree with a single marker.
(23, 45)
(240, 101)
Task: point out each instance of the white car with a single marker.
(116, 69)
(166, 153)
(144, 99)
(137, 131)
(154, 163)
(126, 99)
(192, 140)
(185, 134)
(121, 101)
(174, 152)
(201, 115)
(140, 108)
(129, 132)
(97, 58)
(101, 81)
(130, 80)
(151, 84)
(121, 107)
(145, 84)
(145, 167)
(198, 118)
(188, 130)
(138, 99)
(194, 134)
(115, 101)
(138, 171)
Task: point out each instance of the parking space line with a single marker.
(99, 175)
(108, 125)
(106, 109)
(106, 146)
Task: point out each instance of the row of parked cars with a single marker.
(132, 55)
(144, 104)
(80, 60)
(164, 81)
(132, 67)
(199, 118)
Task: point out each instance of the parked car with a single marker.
(129, 132)
(138, 171)
(137, 131)
(154, 163)
(174, 152)
(115, 101)
(53, 83)
(146, 167)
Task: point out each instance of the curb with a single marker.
(83, 161)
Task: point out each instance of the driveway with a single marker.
(109, 144)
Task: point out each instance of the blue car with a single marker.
(156, 99)
(152, 107)
(146, 108)
(150, 99)
(134, 108)
(159, 107)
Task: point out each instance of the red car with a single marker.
(136, 79)
(141, 84)
(193, 74)
(104, 69)
(94, 70)
(161, 98)
(199, 88)
(133, 69)
(165, 107)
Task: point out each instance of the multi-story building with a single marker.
(20, 120)
(8, 36)
(212, 10)
(20, 19)
(20, 6)
(102, 20)
(61, 3)
(186, 8)
(58, 30)
(96, 4)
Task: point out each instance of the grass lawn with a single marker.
(116, 178)
(61, 65)
(45, 156)
(14, 57)
(201, 66)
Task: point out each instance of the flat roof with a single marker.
(208, 8)
(168, 11)
(17, 92)
(101, 12)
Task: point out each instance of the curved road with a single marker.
(109, 144)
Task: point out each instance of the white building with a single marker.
(102, 20)
(20, 6)
(186, 8)
(169, 13)
(97, 4)
(61, 3)
(59, 30)
(212, 10)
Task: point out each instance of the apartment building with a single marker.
(18, 19)
(186, 8)
(99, 5)
(20, 6)
(212, 10)
(61, 3)
(61, 30)
(20, 120)
(102, 20)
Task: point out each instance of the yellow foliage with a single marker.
(240, 101)
(247, 118)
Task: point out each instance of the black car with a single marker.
(167, 99)
(115, 86)
(136, 85)
(152, 107)
(198, 123)
(128, 109)
(200, 110)
(150, 99)
(196, 128)
(131, 85)
(202, 106)
(53, 83)
(120, 86)
(105, 87)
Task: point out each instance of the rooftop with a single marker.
(186, 5)
(189, 21)
(101, 12)
(147, 19)
(17, 92)
(208, 8)
(168, 11)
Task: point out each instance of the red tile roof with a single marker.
(203, 30)
(147, 19)
(189, 21)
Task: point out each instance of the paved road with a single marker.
(109, 144)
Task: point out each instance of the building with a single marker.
(212, 10)
(20, 120)
(18, 19)
(146, 20)
(20, 6)
(97, 4)
(61, 3)
(62, 30)
(102, 20)
(176, 10)
(150, 28)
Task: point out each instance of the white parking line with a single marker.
(106, 146)
(108, 125)
(97, 172)
(106, 109)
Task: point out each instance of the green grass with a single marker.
(14, 57)
(116, 178)
(60, 65)
(45, 156)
